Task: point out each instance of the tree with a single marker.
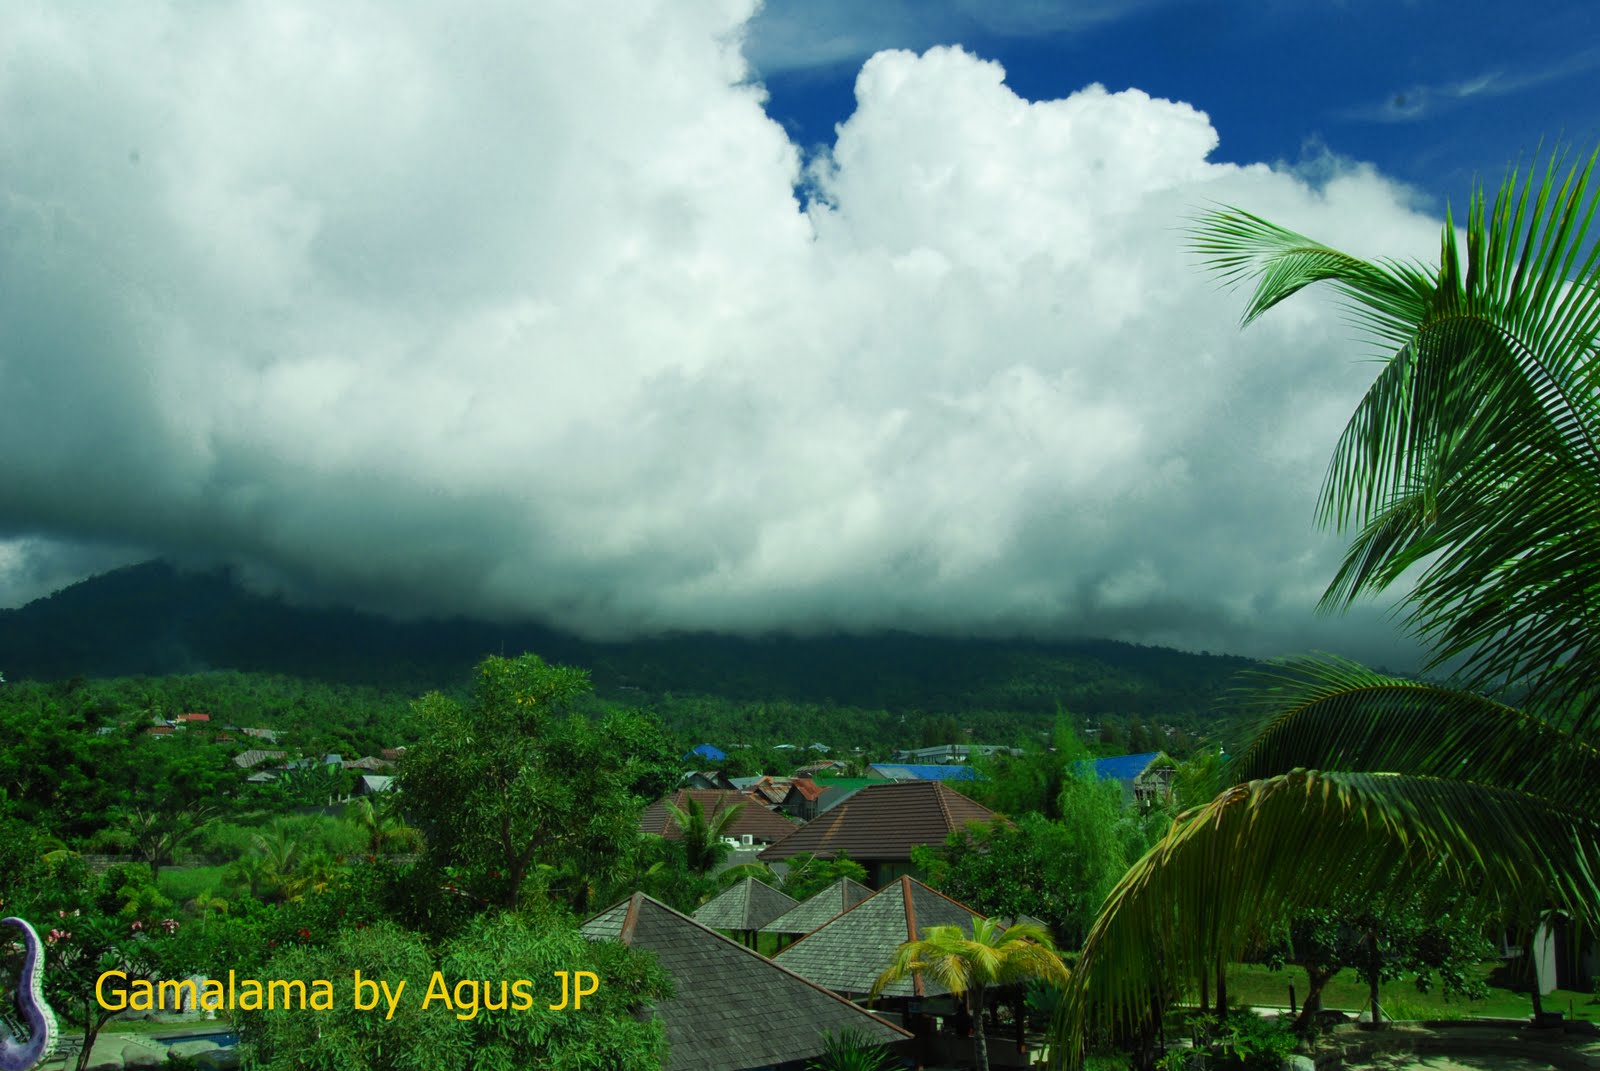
(1472, 464)
(159, 834)
(968, 966)
(512, 779)
(702, 836)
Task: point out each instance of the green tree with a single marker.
(511, 778)
(160, 833)
(968, 966)
(1472, 464)
(702, 836)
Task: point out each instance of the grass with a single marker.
(1261, 987)
(182, 884)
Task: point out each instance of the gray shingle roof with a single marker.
(749, 905)
(849, 953)
(732, 1009)
(836, 899)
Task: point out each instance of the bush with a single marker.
(1249, 1041)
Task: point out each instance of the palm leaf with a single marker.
(1240, 866)
(1475, 454)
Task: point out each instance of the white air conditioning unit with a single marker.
(748, 838)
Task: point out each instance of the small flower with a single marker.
(136, 926)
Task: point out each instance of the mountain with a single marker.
(154, 619)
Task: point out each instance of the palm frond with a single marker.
(1243, 864)
(1332, 714)
(1475, 454)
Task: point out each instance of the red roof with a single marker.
(161, 730)
(193, 717)
(763, 825)
(883, 823)
(807, 788)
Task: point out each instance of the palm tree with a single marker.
(702, 837)
(968, 966)
(1472, 463)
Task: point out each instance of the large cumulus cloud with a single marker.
(515, 309)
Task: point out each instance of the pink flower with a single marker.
(57, 935)
(137, 926)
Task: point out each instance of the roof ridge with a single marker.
(640, 898)
(944, 804)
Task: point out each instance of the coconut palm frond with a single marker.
(1476, 451)
(1332, 714)
(1240, 866)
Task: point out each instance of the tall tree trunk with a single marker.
(1222, 989)
(979, 1041)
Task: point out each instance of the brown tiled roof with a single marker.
(848, 953)
(828, 904)
(749, 905)
(732, 1009)
(763, 825)
(392, 754)
(883, 823)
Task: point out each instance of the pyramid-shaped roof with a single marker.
(749, 905)
(883, 822)
(848, 953)
(732, 1009)
(835, 900)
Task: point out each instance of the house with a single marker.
(825, 906)
(367, 762)
(921, 772)
(802, 800)
(160, 730)
(1145, 778)
(745, 908)
(707, 752)
(952, 753)
(712, 779)
(754, 821)
(731, 1009)
(373, 784)
(391, 754)
(269, 735)
(192, 719)
(879, 825)
(848, 952)
(811, 769)
(768, 791)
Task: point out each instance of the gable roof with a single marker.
(732, 1009)
(707, 751)
(848, 953)
(902, 771)
(810, 914)
(749, 905)
(806, 788)
(762, 825)
(883, 822)
(256, 756)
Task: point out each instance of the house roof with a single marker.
(848, 953)
(732, 1009)
(196, 717)
(805, 787)
(754, 819)
(1123, 767)
(256, 756)
(706, 751)
(749, 905)
(367, 762)
(902, 771)
(883, 822)
(831, 902)
(376, 783)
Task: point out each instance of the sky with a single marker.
(632, 316)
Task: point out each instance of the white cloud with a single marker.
(513, 310)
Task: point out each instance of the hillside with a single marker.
(153, 619)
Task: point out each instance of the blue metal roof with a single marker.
(1123, 767)
(706, 751)
(900, 771)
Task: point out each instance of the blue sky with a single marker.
(1431, 93)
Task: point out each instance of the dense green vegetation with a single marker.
(153, 621)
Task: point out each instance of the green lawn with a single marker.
(182, 884)
(1261, 987)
